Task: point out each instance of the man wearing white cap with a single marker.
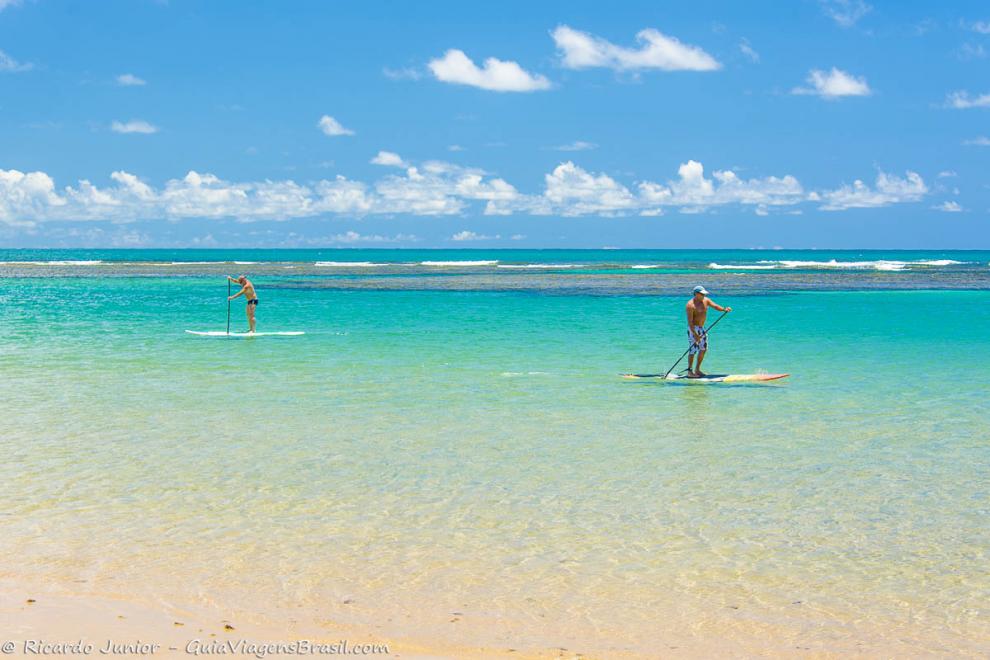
(697, 311)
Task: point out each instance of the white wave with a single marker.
(716, 266)
(458, 263)
(209, 263)
(855, 265)
(540, 266)
(349, 264)
(647, 266)
(880, 264)
(53, 263)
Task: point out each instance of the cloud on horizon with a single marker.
(888, 189)
(471, 236)
(434, 188)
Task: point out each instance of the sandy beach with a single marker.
(54, 623)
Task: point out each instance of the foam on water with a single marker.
(349, 264)
(539, 266)
(57, 262)
(716, 266)
(491, 262)
(881, 264)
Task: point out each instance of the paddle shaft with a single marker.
(707, 330)
(228, 305)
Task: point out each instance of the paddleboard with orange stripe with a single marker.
(709, 379)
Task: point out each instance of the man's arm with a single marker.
(239, 293)
(712, 303)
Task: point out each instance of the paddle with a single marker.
(707, 330)
(228, 305)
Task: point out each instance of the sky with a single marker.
(799, 124)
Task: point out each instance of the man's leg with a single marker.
(690, 362)
(698, 371)
(250, 315)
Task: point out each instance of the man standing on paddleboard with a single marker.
(697, 311)
(247, 290)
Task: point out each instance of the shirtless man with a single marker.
(697, 311)
(247, 290)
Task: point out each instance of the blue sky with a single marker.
(813, 123)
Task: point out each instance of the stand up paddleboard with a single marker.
(244, 335)
(710, 378)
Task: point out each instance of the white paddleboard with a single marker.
(244, 335)
(711, 378)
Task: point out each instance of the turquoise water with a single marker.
(461, 441)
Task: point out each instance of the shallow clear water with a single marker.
(424, 450)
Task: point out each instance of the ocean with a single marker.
(451, 435)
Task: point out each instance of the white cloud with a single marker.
(9, 65)
(441, 189)
(889, 189)
(833, 84)
(969, 51)
(133, 126)
(496, 75)
(748, 51)
(846, 13)
(981, 141)
(471, 236)
(577, 145)
(456, 147)
(130, 80)
(581, 50)
(388, 159)
(9, 3)
(332, 127)
(31, 198)
(25, 195)
(432, 188)
(406, 73)
(351, 237)
(948, 207)
(963, 101)
(571, 190)
(982, 27)
(693, 189)
(946, 174)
